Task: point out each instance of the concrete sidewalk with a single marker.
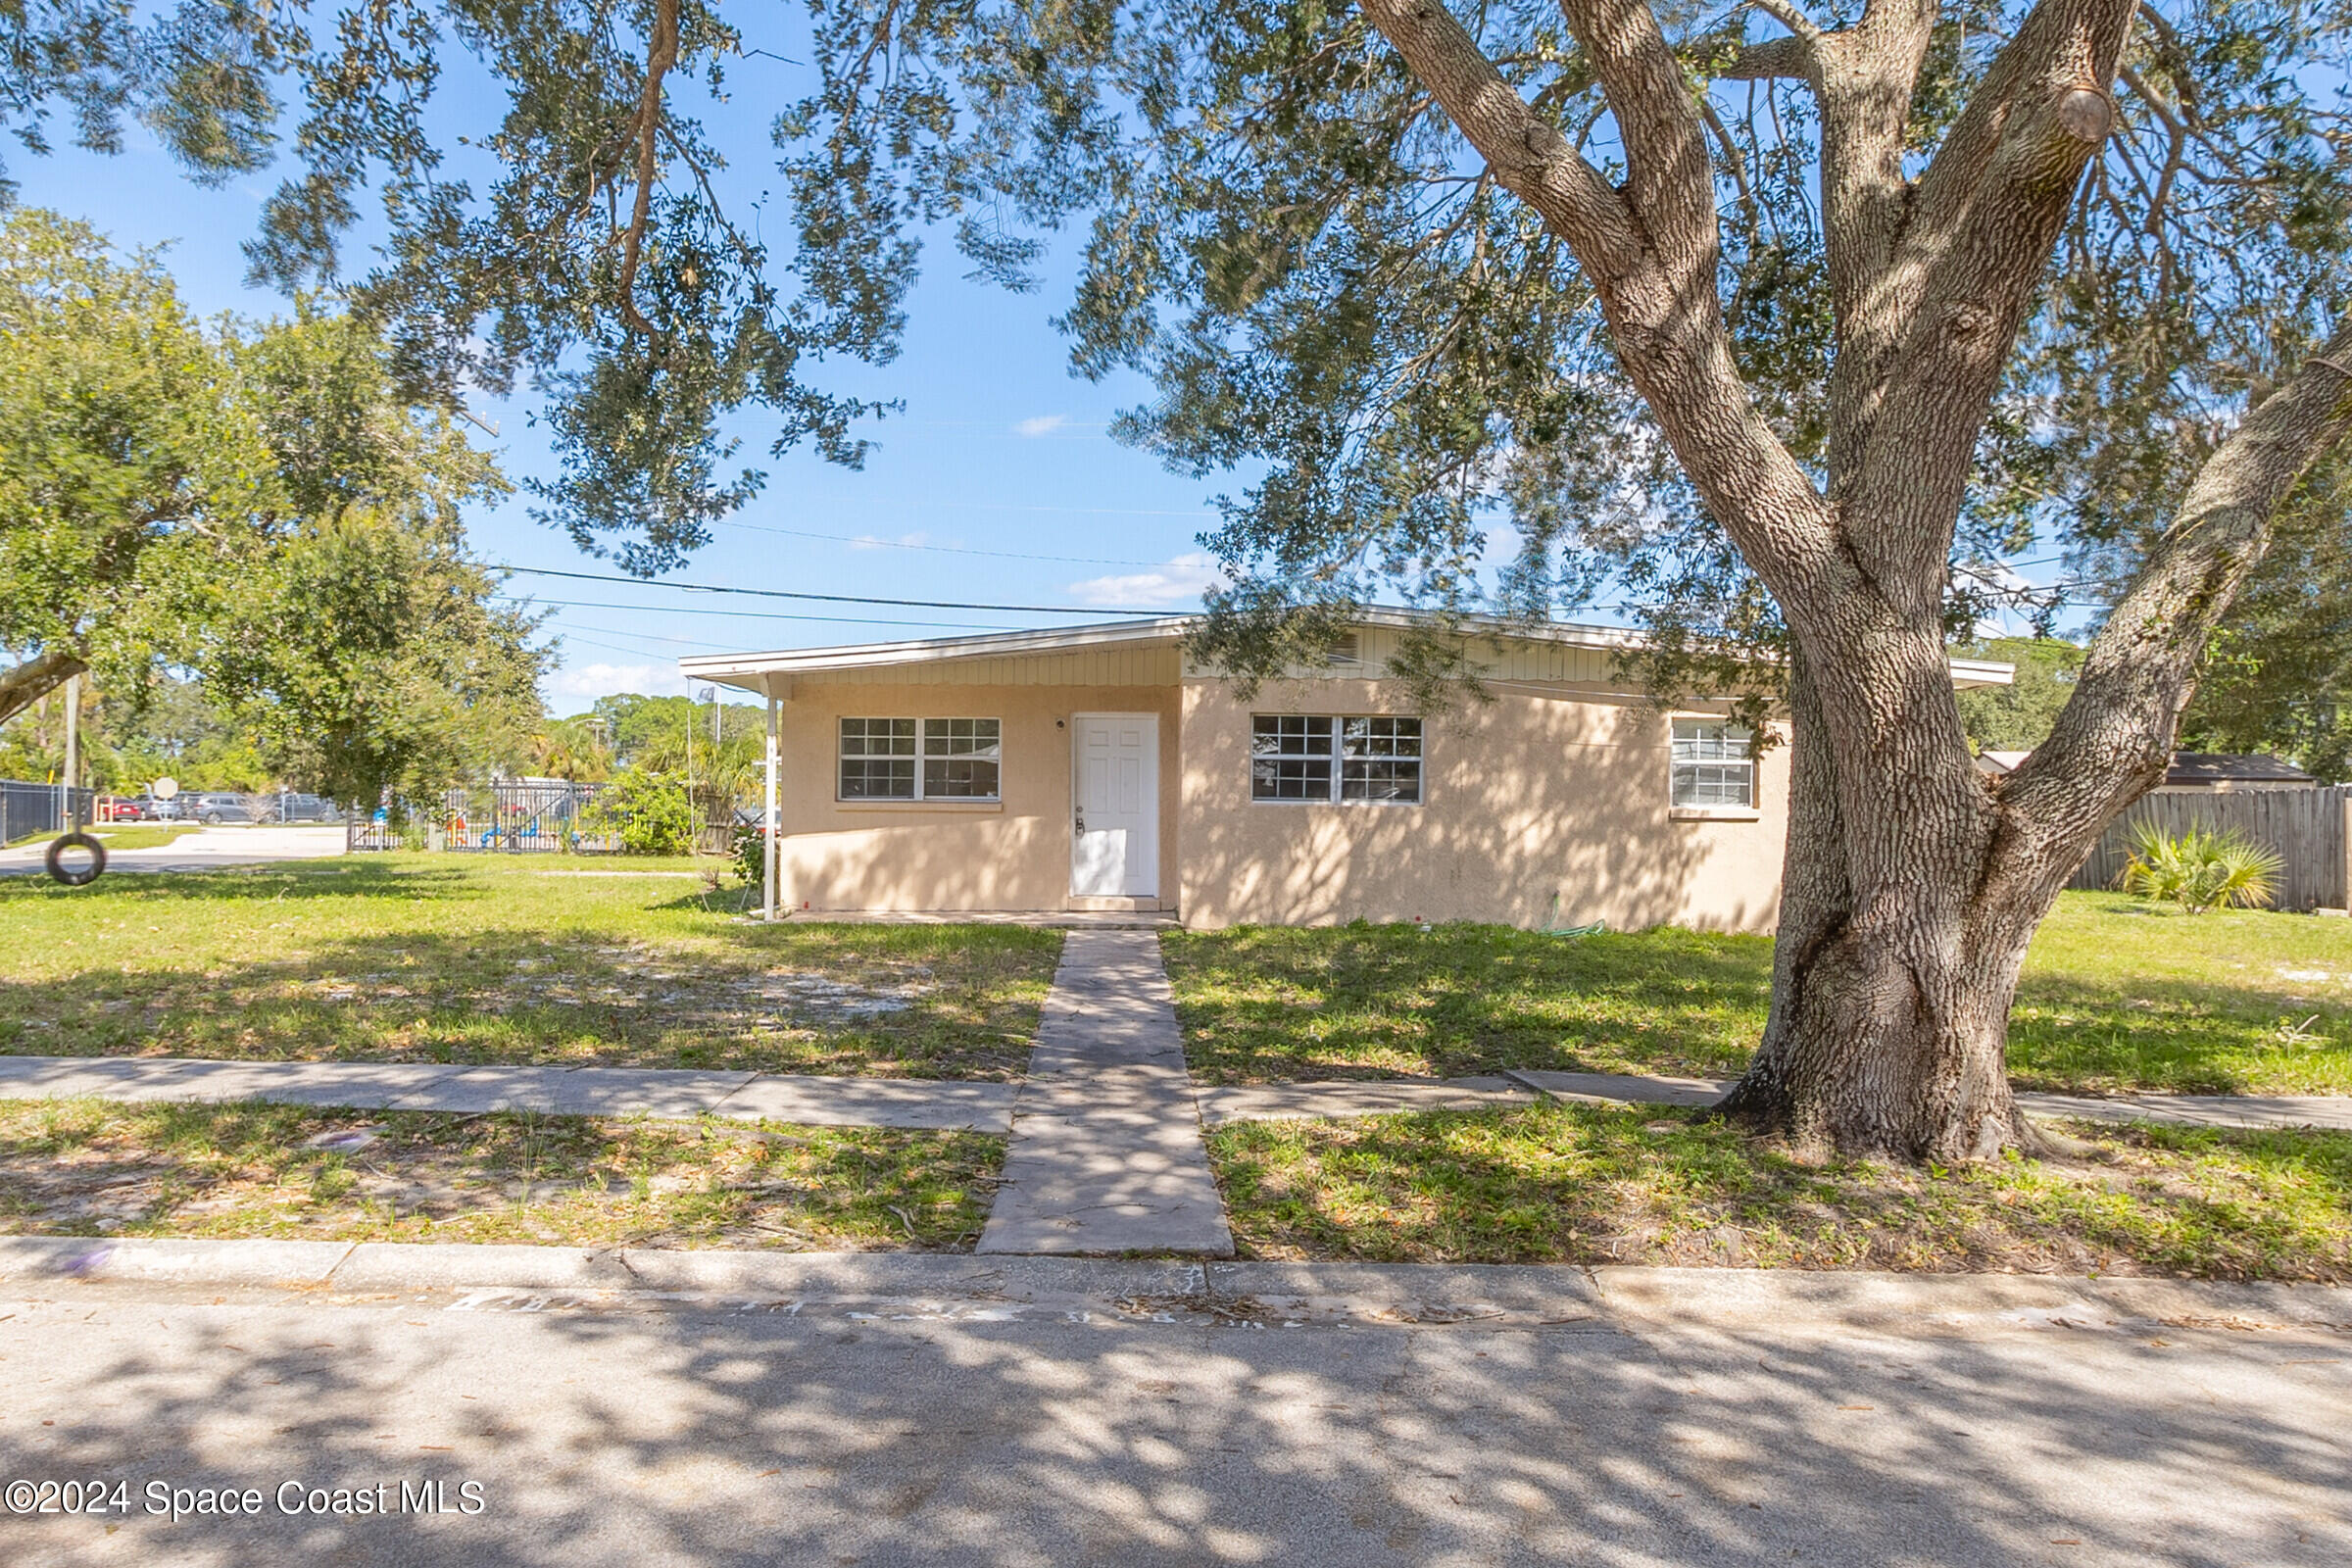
(555, 1091)
(1375, 1097)
(698, 1409)
(950, 1102)
(1106, 1154)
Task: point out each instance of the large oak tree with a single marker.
(1787, 327)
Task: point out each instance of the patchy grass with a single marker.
(2116, 994)
(2119, 994)
(93, 1169)
(1577, 1184)
(418, 958)
(1262, 1003)
(143, 835)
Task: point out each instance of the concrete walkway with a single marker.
(1106, 1154)
(556, 1090)
(836, 1101)
(1374, 1098)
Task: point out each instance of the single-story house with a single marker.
(1092, 767)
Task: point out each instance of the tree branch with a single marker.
(1652, 252)
(1530, 157)
(2115, 734)
(1789, 17)
(1760, 62)
(661, 53)
(1983, 223)
(1864, 82)
(34, 679)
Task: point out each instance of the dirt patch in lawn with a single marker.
(424, 961)
(93, 1169)
(1579, 1184)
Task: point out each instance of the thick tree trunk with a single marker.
(1890, 1038)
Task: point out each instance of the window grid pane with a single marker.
(1290, 757)
(1314, 756)
(912, 759)
(1708, 740)
(1381, 760)
(1715, 784)
(1713, 764)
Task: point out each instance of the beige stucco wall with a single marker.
(1549, 789)
(870, 855)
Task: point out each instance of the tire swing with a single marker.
(75, 838)
(75, 876)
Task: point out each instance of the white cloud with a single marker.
(1041, 424)
(610, 680)
(1182, 579)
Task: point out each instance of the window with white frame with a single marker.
(1327, 758)
(1713, 764)
(921, 759)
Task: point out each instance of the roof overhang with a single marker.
(755, 672)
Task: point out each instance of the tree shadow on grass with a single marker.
(1272, 1004)
(1585, 1185)
(1266, 1005)
(2179, 1037)
(695, 1437)
(573, 996)
(347, 877)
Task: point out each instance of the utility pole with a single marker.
(71, 813)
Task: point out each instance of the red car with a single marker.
(115, 809)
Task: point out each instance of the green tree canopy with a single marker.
(253, 504)
(2019, 716)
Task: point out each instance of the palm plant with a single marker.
(2199, 868)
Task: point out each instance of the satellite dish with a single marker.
(162, 789)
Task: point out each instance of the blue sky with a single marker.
(998, 449)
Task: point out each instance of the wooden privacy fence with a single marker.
(2306, 826)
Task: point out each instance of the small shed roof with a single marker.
(2233, 768)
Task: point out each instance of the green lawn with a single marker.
(90, 1169)
(2116, 994)
(497, 959)
(142, 835)
(1580, 1184)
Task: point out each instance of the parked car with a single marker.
(163, 810)
(293, 808)
(118, 808)
(214, 808)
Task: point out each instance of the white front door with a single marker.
(1114, 790)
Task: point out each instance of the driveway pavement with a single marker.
(669, 1408)
(200, 851)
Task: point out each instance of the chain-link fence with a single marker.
(536, 816)
(28, 809)
(515, 817)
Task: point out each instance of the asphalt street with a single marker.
(205, 849)
(1034, 1412)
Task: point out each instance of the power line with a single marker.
(832, 599)
(749, 614)
(869, 542)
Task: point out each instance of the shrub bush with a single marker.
(647, 810)
(2200, 869)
